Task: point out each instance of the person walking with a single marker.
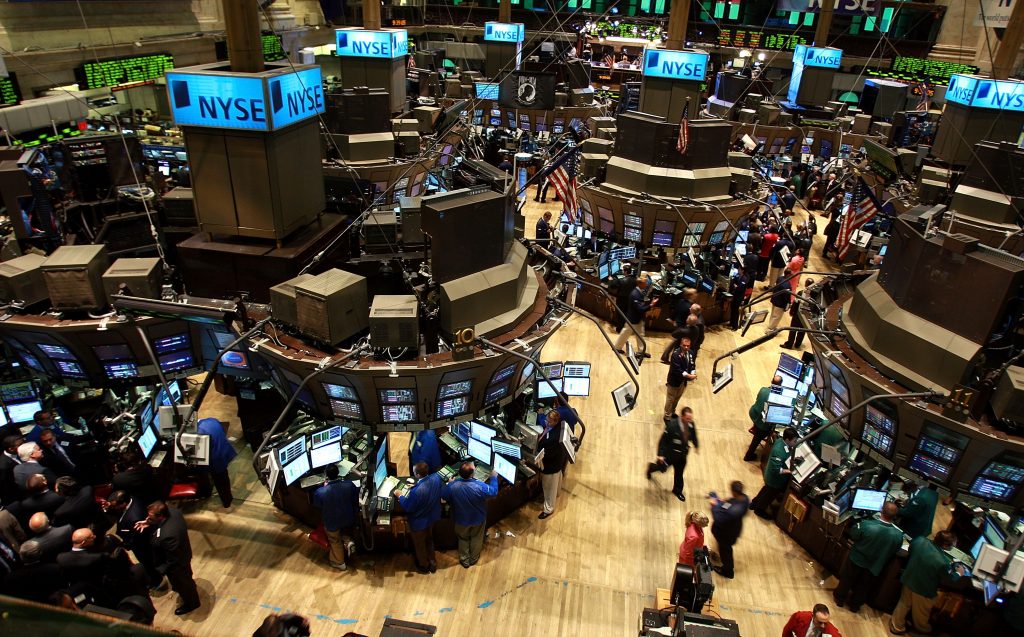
(173, 552)
(728, 525)
(673, 449)
(221, 455)
(635, 311)
(468, 497)
(680, 372)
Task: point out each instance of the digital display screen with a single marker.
(147, 441)
(505, 469)
(292, 450)
(57, 352)
(915, 69)
(113, 352)
(992, 489)
(779, 415)
(486, 90)
(576, 369)
(576, 386)
(11, 392)
(121, 370)
(878, 441)
(345, 409)
(480, 450)
(791, 365)
(1005, 471)
(929, 468)
(839, 389)
(941, 443)
(23, 412)
(172, 343)
(881, 421)
(495, 394)
(509, 449)
(399, 413)
(544, 389)
(296, 469)
(662, 239)
(129, 70)
(325, 436)
(340, 391)
(633, 220)
(455, 389)
(838, 407)
(328, 454)
(397, 396)
(504, 373)
(481, 432)
(602, 271)
(10, 92)
(553, 371)
(70, 369)
(272, 49)
(176, 361)
(452, 407)
(32, 362)
(868, 500)
(630, 233)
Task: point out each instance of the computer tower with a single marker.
(21, 279)
(74, 277)
(282, 299)
(332, 306)
(394, 321)
(141, 276)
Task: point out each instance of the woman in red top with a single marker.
(696, 522)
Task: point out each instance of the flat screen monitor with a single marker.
(553, 370)
(175, 396)
(503, 374)
(343, 392)
(480, 450)
(930, 468)
(663, 239)
(481, 432)
(120, 370)
(293, 449)
(576, 386)
(327, 436)
(707, 285)
(461, 431)
(176, 361)
(779, 415)
(1003, 470)
(455, 389)
(296, 468)
(397, 396)
(992, 489)
(506, 448)
(877, 440)
(505, 469)
(545, 390)
(976, 549)
(838, 406)
(486, 90)
(880, 420)
(146, 415)
(346, 409)
(57, 352)
(325, 455)
(791, 365)
(398, 413)
(23, 412)
(235, 360)
(615, 267)
(941, 443)
(494, 394)
(15, 392)
(452, 407)
(172, 343)
(779, 398)
(788, 382)
(147, 441)
(602, 271)
(118, 352)
(993, 534)
(839, 389)
(868, 500)
(576, 369)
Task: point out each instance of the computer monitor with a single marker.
(451, 407)
(989, 557)
(327, 436)
(327, 454)
(573, 386)
(146, 414)
(992, 489)
(455, 389)
(976, 549)
(481, 432)
(120, 370)
(147, 441)
(495, 393)
(779, 415)
(505, 469)
(23, 412)
(486, 90)
(993, 534)
(296, 468)
(288, 452)
(791, 365)
(577, 369)
(398, 413)
(868, 500)
(545, 390)
(503, 373)
(480, 450)
(506, 448)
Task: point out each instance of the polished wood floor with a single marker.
(590, 569)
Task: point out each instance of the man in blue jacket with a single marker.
(423, 506)
(221, 455)
(424, 449)
(338, 501)
(728, 524)
(468, 498)
(635, 311)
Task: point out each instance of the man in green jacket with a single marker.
(776, 475)
(874, 544)
(761, 429)
(928, 566)
(830, 436)
(917, 514)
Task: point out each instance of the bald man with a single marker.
(80, 565)
(52, 540)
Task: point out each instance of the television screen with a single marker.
(345, 409)
(1004, 470)
(120, 370)
(992, 489)
(455, 389)
(397, 396)
(503, 373)
(839, 389)
(544, 390)
(118, 352)
(399, 413)
(662, 239)
(929, 468)
(505, 469)
(630, 233)
(838, 407)
(70, 369)
(602, 271)
(235, 360)
(495, 394)
(176, 361)
(23, 412)
(452, 407)
(328, 454)
(172, 343)
(941, 443)
(576, 386)
(486, 90)
(480, 450)
(878, 440)
(56, 352)
(880, 420)
(340, 391)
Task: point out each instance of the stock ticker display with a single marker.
(920, 69)
(272, 48)
(10, 93)
(118, 71)
(741, 38)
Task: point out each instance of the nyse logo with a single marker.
(217, 108)
(868, 7)
(817, 57)
(505, 34)
(669, 67)
(301, 101)
(988, 94)
(958, 92)
(358, 46)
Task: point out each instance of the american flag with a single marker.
(923, 104)
(863, 209)
(562, 175)
(684, 130)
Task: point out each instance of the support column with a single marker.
(505, 11)
(371, 15)
(824, 23)
(678, 20)
(1009, 47)
(245, 49)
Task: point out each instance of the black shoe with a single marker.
(648, 472)
(718, 569)
(839, 602)
(433, 568)
(544, 515)
(621, 352)
(763, 516)
(423, 571)
(854, 610)
(184, 610)
(645, 355)
(750, 457)
(680, 497)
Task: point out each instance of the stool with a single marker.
(183, 491)
(319, 536)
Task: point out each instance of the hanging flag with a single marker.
(684, 130)
(863, 209)
(562, 175)
(923, 104)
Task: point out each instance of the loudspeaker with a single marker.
(577, 74)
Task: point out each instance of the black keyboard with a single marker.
(384, 504)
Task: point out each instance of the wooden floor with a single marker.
(590, 569)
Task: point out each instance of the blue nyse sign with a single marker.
(361, 43)
(504, 32)
(262, 103)
(1001, 95)
(676, 65)
(816, 56)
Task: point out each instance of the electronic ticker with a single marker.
(118, 71)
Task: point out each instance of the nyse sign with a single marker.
(844, 7)
(815, 56)
(504, 32)
(372, 44)
(247, 103)
(676, 65)
(1000, 95)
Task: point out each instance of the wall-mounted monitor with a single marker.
(398, 413)
(930, 468)
(343, 392)
(120, 370)
(839, 389)
(662, 239)
(396, 396)
(880, 420)
(992, 489)
(496, 393)
(503, 374)
(346, 409)
(56, 352)
(451, 407)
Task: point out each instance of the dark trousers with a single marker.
(423, 548)
(679, 466)
(221, 480)
(725, 545)
(763, 501)
(182, 583)
(795, 339)
(855, 583)
(542, 191)
(762, 268)
(759, 436)
(144, 556)
(734, 312)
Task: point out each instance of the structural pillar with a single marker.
(245, 48)
(371, 15)
(824, 23)
(678, 20)
(505, 11)
(1009, 46)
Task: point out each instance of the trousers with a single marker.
(759, 436)
(776, 317)
(184, 585)
(471, 542)
(336, 541)
(918, 606)
(672, 396)
(855, 583)
(725, 545)
(423, 548)
(678, 469)
(625, 333)
(550, 482)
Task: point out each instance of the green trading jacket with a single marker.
(874, 544)
(917, 514)
(927, 567)
(757, 409)
(777, 461)
(831, 436)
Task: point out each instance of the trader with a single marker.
(928, 565)
(918, 513)
(468, 497)
(44, 419)
(423, 506)
(221, 455)
(810, 623)
(761, 429)
(673, 449)
(635, 312)
(776, 475)
(544, 229)
(728, 525)
(173, 552)
(680, 372)
(875, 542)
(338, 501)
(554, 461)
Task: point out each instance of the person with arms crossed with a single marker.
(553, 462)
(423, 506)
(468, 497)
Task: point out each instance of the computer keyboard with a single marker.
(446, 473)
(384, 503)
(312, 480)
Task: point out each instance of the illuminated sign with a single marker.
(272, 48)
(825, 58)
(361, 43)
(504, 32)
(1000, 95)
(922, 69)
(131, 70)
(842, 7)
(262, 103)
(10, 92)
(676, 65)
